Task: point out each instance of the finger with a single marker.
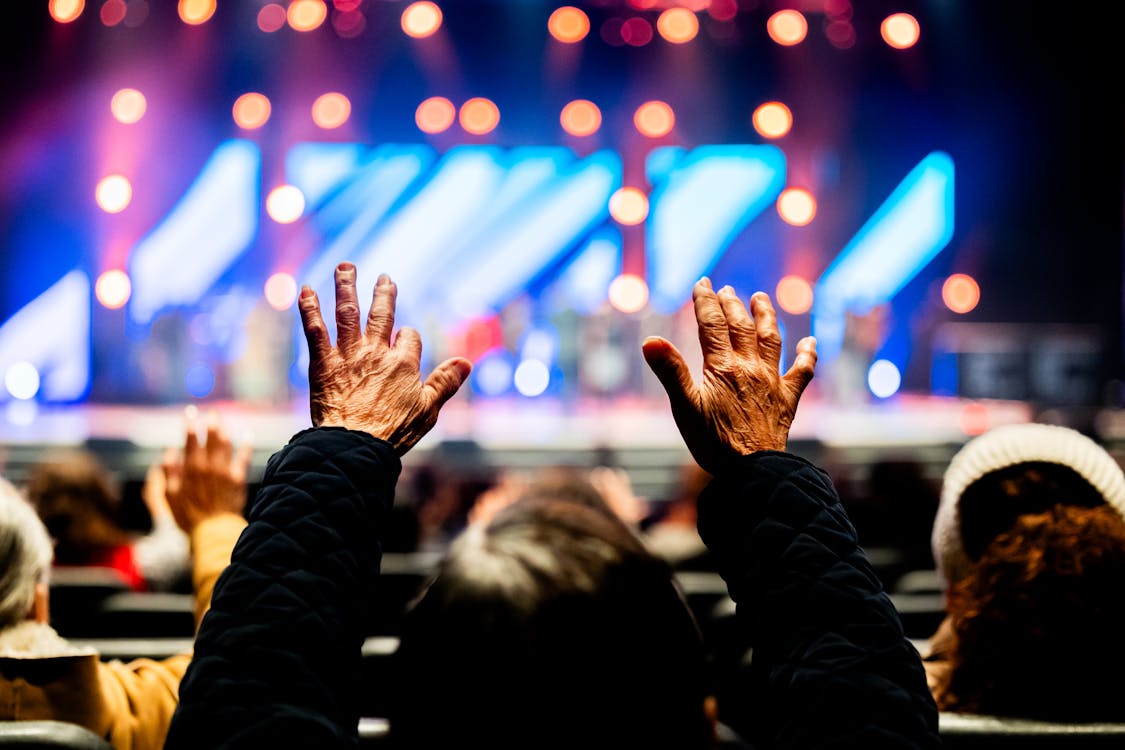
(803, 368)
(316, 333)
(240, 466)
(347, 308)
(172, 466)
(768, 335)
(191, 430)
(409, 342)
(670, 369)
(740, 326)
(218, 444)
(445, 380)
(381, 317)
(713, 336)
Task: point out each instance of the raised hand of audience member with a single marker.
(208, 478)
(365, 382)
(742, 404)
(615, 486)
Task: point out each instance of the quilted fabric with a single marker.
(830, 666)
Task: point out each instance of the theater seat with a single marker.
(972, 732)
(42, 735)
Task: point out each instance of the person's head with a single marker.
(25, 559)
(551, 626)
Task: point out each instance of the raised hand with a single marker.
(207, 479)
(742, 404)
(365, 382)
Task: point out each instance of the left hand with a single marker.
(208, 479)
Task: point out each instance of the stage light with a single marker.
(113, 193)
(961, 293)
(195, 12)
(787, 27)
(975, 419)
(677, 25)
(128, 106)
(421, 19)
(796, 206)
(65, 11)
(22, 381)
(347, 6)
(349, 24)
(532, 378)
(113, 288)
(628, 205)
(113, 12)
(568, 24)
(636, 32)
(281, 291)
(900, 30)
(199, 381)
(492, 373)
(435, 115)
(285, 204)
(883, 378)
(654, 119)
(136, 13)
(628, 293)
(479, 116)
(794, 295)
(331, 110)
(581, 117)
(772, 120)
(840, 33)
(272, 17)
(251, 111)
(723, 10)
(306, 15)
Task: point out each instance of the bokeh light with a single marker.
(794, 295)
(128, 106)
(435, 115)
(281, 291)
(532, 378)
(251, 110)
(65, 11)
(900, 30)
(479, 116)
(787, 27)
(285, 204)
(421, 19)
(331, 110)
(636, 32)
(883, 378)
(961, 293)
(628, 293)
(975, 419)
(306, 15)
(492, 373)
(195, 12)
(113, 12)
(199, 381)
(841, 34)
(772, 120)
(677, 25)
(628, 205)
(113, 288)
(568, 24)
(654, 119)
(581, 117)
(113, 193)
(796, 206)
(723, 10)
(22, 380)
(272, 17)
(349, 24)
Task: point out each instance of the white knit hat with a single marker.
(1006, 446)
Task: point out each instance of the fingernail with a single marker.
(345, 267)
(307, 292)
(191, 411)
(383, 280)
(728, 289)
(705, 282)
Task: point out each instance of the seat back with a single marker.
(77, 594)
(46, 735)
(144, 615)
(973, 732)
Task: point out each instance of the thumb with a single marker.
(446, 379)
(669, 367)
(803, 368)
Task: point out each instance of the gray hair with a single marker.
(25, 555)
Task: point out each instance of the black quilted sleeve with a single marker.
(830, 666)
(277, 655)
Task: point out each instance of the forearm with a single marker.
(212, 540)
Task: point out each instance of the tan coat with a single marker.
(42, 676)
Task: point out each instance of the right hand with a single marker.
(206, 480)
(742, 405)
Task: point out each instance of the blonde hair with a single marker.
(25, 555)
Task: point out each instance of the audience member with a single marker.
(673, 534)
(277, 655)
(46, 677)
(1030, 543)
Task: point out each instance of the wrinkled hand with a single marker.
(364, 382)
(205, 480)
(742, 405)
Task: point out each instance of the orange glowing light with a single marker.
(331, 110)
(796, 206)
(113, 289)
(435, 115)
(654, 119)
(251, 111)
(285, 204)
(479, 116)
(65, 11)
(195, 12)
(281, 291)
(961, 293)
(787, 27)
(421, 19)
(581, 117)
(628, 293)
(568, 24)
(677, 25)
(794, 295)
(628, 205)
(128, 106)
(113, 193)
(272, 17)
(900, 30)
(772, 120)
(306, 15)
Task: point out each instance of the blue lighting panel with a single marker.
(585, 280)
(319, 168)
